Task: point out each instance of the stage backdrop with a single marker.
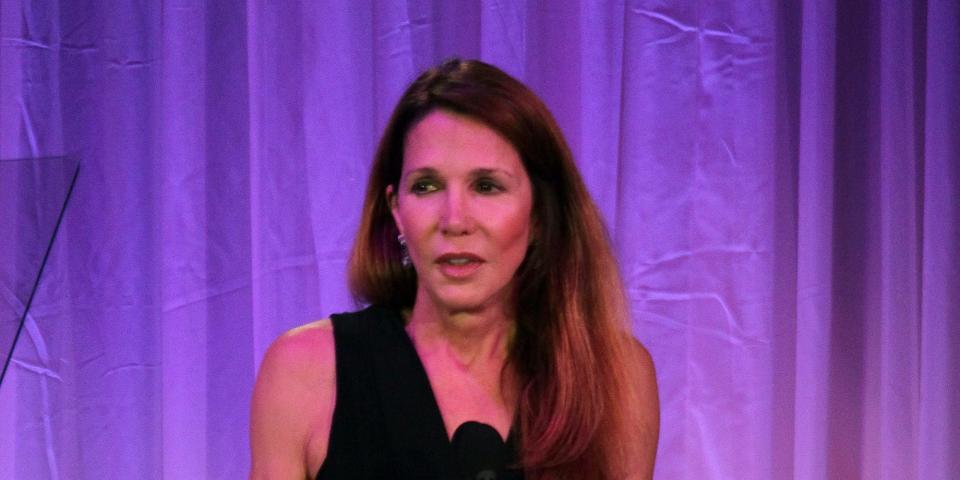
(780, 181)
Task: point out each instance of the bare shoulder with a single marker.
(292, 405)
(646, 382)
(302, 357)
(644, 362)
(648, 410)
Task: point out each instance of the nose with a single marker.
(457, 216)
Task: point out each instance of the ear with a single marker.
(392, 203)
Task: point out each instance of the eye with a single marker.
(486, 185)
(424, 186)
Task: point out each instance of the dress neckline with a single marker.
(399, 325)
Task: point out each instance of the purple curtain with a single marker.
(781, 181)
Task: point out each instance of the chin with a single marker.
(462, 300)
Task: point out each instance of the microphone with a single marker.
(480, 453)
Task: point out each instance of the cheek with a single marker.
(416, 224)
(516, 232)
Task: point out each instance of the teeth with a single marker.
(458, 261)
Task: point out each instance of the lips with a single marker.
(458, 265)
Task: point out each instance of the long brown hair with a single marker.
(572, 350)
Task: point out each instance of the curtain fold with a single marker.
(780, 180)
(939, 390)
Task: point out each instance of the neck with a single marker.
(473, 339)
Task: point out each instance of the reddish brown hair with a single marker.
(572, 353)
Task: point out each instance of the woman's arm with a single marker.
(292, 406)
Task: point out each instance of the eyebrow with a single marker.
(477, 172)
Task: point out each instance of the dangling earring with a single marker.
(404, 254)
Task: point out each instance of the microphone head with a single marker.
(479, 452)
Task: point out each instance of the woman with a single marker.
(497, 345)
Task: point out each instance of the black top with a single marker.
(386, 422)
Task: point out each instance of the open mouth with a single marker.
(459, 261)
(459, 265)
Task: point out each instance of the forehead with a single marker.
(445, 140)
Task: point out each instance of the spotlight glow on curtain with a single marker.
(780, 179)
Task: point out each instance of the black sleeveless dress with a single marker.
(386, 422)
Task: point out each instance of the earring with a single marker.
(404, 254)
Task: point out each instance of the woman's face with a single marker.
(464, 205)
